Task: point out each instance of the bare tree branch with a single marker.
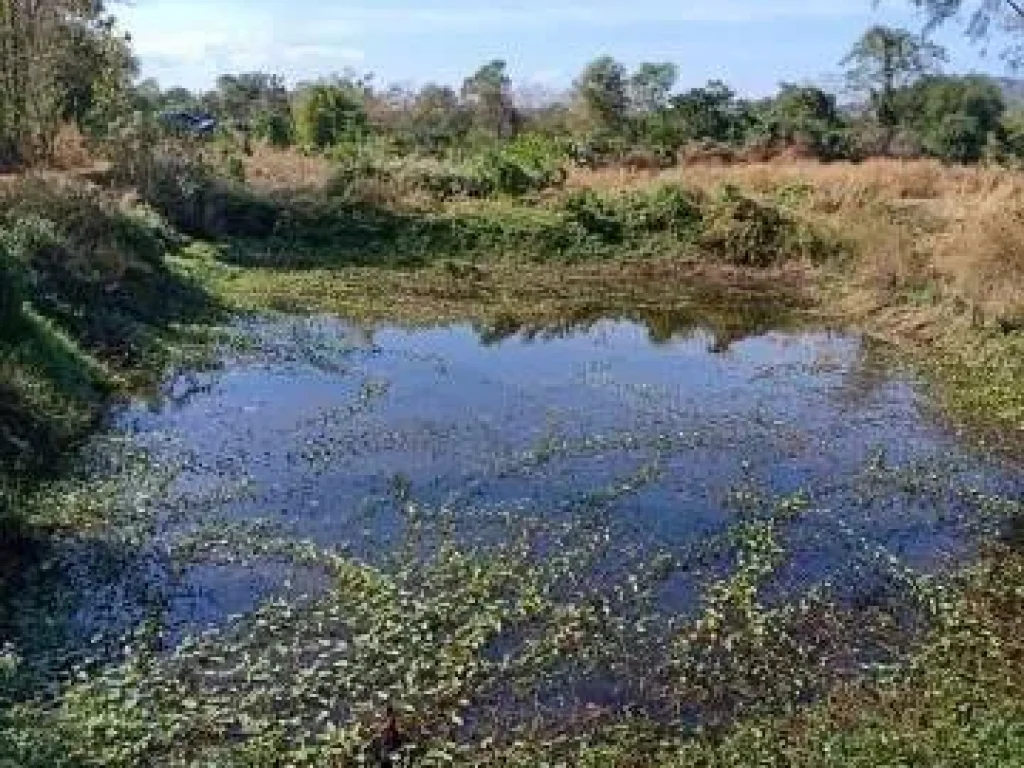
(1016, 6)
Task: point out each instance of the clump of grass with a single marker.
(742, 230)
(983, 256)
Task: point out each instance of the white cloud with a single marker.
(189, 41)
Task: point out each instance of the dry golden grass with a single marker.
(982, 254)
(70, 151)
(881, 179)
(271, 170)
(916, 226)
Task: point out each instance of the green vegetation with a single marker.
(902, 106)
(61, 61)
(445, 205)
(304, 682)
(89, 305)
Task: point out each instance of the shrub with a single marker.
(199, 202)
(516, 169)
(742, 230)
(12, 288)
(669, 208)
(596, 214)
(274, 127)
(92, 267)
(327, 115)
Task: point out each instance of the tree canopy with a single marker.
(885, 59)
(983, 18)
(59, 60)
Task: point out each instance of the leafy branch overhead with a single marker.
(983, 18)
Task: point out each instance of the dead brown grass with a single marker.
(982, 254)
(71, 151)
(919, 228)
(880, 179)
(271, 170)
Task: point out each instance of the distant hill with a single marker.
(1013, 90)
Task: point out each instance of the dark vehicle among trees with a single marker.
(189, 123)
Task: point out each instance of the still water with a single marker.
(329, 431)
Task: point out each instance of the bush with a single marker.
(597, 215)
(274, 127)
(12, 290)
(744, 231)
(91, 266)
(327, 115)
(516, 169)
(199, 202)
(670, 209)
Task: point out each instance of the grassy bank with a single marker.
(96, 288)
(90, 309)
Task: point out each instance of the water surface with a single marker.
(330, 431)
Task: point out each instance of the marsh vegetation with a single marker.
(637, 428)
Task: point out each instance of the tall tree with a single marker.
(886, 59)
(603, 92)
(982, 13)
(242, 97)
(489, 92)
(651, 85)
(955, 117)
(438, 120)
(59, 59)
(708, 112)
(801, 114)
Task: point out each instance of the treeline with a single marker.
(61, 61)
(901, 105)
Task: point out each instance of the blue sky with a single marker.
(752, 44)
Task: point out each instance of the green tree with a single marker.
(603, 92)
(887, 59)
(805, 115)
(955, 117)
(488, 92)
(273, 126)
(651, 85)
(709, 112)
(241, 97)
(438, 121)
(329, 114)
(94, 75)
(59, 59)
(1013, 132)
(179, 98)
(803, 109)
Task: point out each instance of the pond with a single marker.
(514, 534)
(330, 432)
